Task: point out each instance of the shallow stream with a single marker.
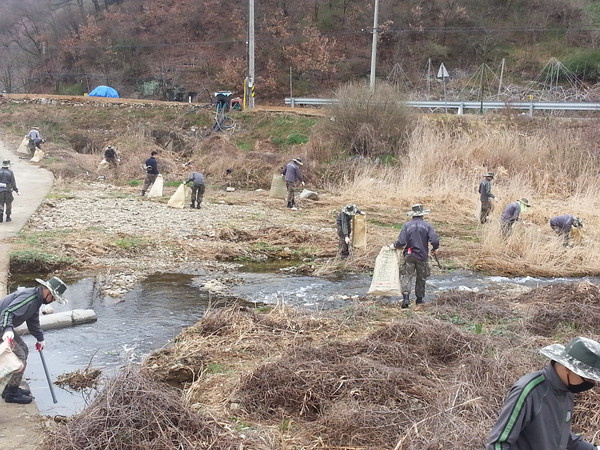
(159, 307)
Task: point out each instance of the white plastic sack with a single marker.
(359, 231)
(38, 156)
(104, 164)
(177, 200)
(23, 148)
(278, 188)
(311, 195)
(386, 277)
(157, 187)
(9, 364)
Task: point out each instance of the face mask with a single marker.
(576, 388)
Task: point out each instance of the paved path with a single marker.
(20, 424)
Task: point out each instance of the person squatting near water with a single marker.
(151, 172)
(486, 197)
(198, 189)
(23, 306)
(293, 175)
(7, 186)
(344, 228)
(414, 239)
(35, 139)
(511, 215)
(562, 226)
(538, 409)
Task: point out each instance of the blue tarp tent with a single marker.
(104, 91)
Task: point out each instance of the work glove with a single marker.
(303, 183)
(391, 247)
(347, 240)
(8, 335)
(39, 346)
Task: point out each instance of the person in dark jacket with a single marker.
(414, 240)
(563, 224)
(7, 186)
(151, 172)
(111, 157)
(344, 228)
(486, 196)
(538, 409)
(512, 214)
(23, 306)
(292, 177)
(198, 189)
(35, 139)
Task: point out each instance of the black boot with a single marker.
(12, 395)
(419, 301)
(198, 206)
(20, 390)
(8, 219)
(405, 300)
(192, 205)
(289, 204)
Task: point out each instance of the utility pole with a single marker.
(250, 79)
(374, 47)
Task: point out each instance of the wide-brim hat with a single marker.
(298, 161)
(525, 202)
(581, 356)
(6, 163)
(57, 287)
(417, 210)
(350, 209)
(490, 174)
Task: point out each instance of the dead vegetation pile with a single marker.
(367, 376)
(136, 412)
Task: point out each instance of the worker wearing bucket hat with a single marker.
(512, 214)
(538, 409)
(562, 226)
(486, 196)
(293, 175)
(414, 239)
(23, 306)
(344, 228)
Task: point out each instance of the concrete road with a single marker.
(20, 425)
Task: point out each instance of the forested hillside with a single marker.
(159, 48)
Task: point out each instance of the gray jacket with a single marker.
(485, 190)
(197, 178)
(511, 213)
(292, 172)
(416, 234)
(562, 223)
(537, 416)
(7, 180)
(20, 307)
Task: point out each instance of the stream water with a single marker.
(159, 307)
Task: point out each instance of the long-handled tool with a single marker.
(47, 373)
(437, 261)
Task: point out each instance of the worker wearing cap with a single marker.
(486, 197)
(7, 186)
(292, 177)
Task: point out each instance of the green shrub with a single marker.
(584, 63)
(70, 89)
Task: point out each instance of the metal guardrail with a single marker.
(461, 106)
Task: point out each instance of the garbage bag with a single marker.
(24, 147)
(157, 187)
(386, 276)
(311, 195)
(278, 188)
(37, 156)
(359, 231)
(177, 200)
(9, 364)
